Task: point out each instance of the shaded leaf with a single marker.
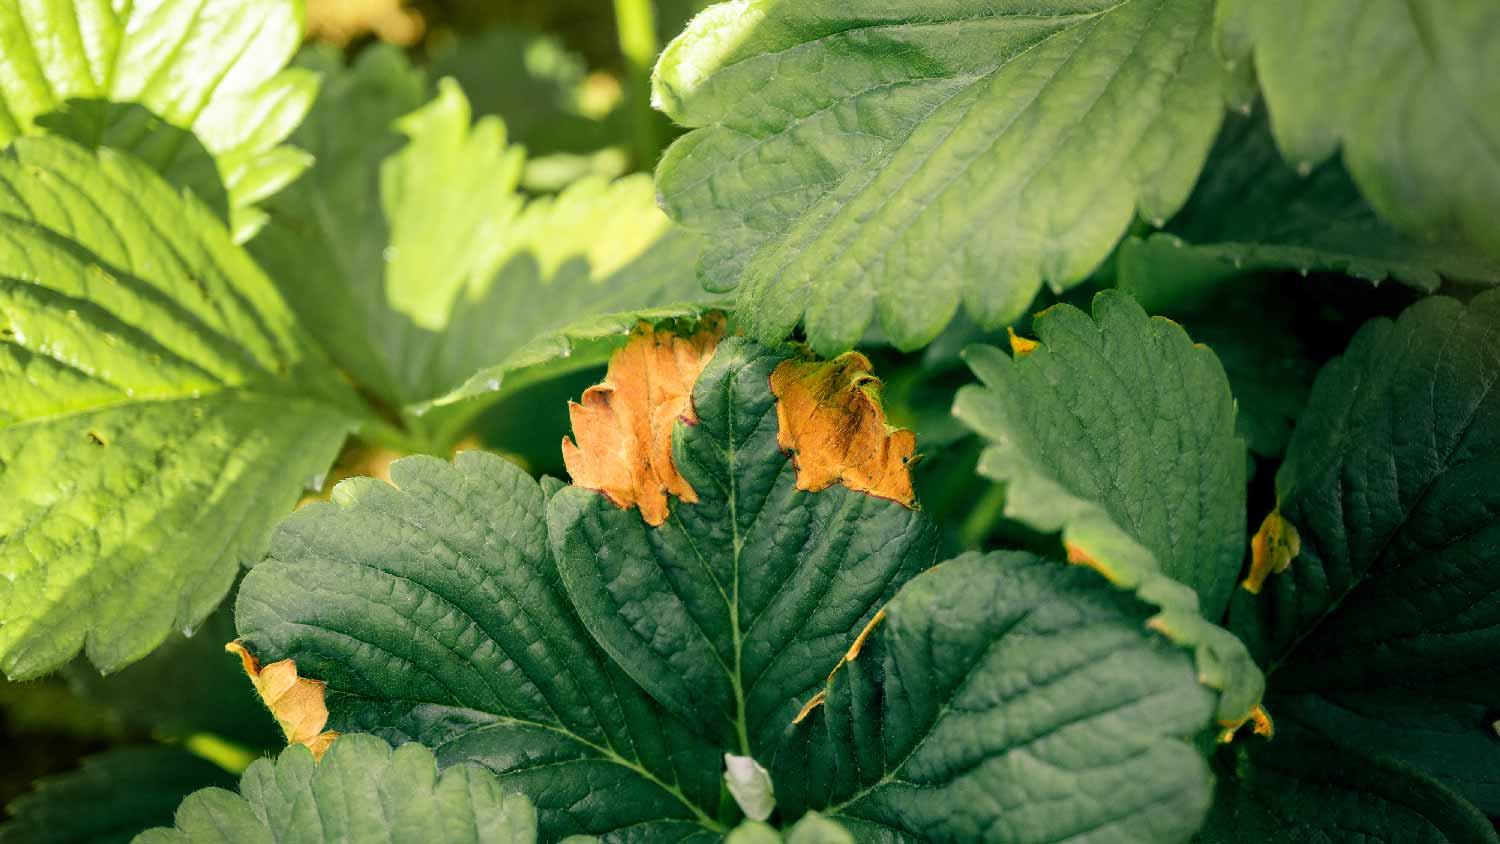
(1119, 433)
(111, 798)
(1386, 481)
(1253, 212)
(1402, 88)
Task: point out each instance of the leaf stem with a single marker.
(635, 22)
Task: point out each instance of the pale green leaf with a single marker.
(1405, 89)
(1119, 433)
(362, 792)
(159, 408)
(861, 158)
(409, 250)
(159, 79)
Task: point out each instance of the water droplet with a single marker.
(1304, 168)
(316, 482)
(1304, 271)
(1158, 221)
(389, 253)
(189, 631)
(492, 385)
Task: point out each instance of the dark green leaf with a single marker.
(111, 798)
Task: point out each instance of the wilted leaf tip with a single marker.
(1272, 550)
(622, 427)
(296, 702)
(829, 418)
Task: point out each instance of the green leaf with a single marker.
(1119, 433)
(1252, 212)
(111, 798)
(157, 79)
(362, 791)
(159, 408)
(1404, 88)
(1305, 791)
(434, 612)
(1008, 698)
(732, 612)
(408, 250)
(860, 159)
(1388, 483)
(186, 686)
(604, 667)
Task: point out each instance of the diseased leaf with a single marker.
(860, 158)
(1305, 791)
(295, 702)
(829, 418)
(362, 791)
(1253, 212)
(111, 798)
(474, 648)
(1007, 698)
(408, 250)
(1387, 484)
(732, 611)
(608, 669)
(624, 425)
(1119, 433)
(159, 408)
(1403, 88)
(156, 80)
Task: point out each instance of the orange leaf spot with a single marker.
(1272, 550)
(830, 419)
(295, 702)
(623, 426)
(1020, 345)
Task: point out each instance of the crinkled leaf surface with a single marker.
(602, 666)
(111, 797)
(159, 408)
(157, 79)
(408, 250)
(1390, 612)
(1405, 88)
(863, 158)
(1008, 698)
(362, 792)
(1119, 432)
(1301, 790)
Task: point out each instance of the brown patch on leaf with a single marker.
(830, 419)
(623, 426)
(1272, 550)
(1260, 721)
(296, 702)
(1020, 346)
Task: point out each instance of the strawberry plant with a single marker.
(931, 422)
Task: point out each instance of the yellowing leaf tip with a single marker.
(1019, 345)
(1272, 550)
(296, 702)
